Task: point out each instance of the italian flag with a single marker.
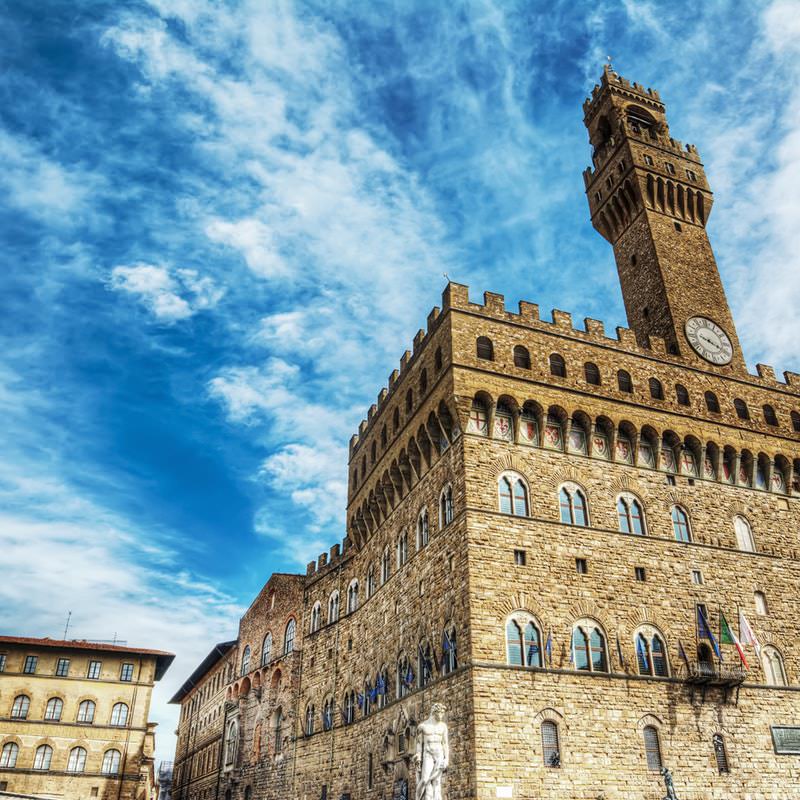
(727, 636)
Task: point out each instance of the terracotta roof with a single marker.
(217, 653)
(163, 658)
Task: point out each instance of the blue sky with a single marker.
(224, 221)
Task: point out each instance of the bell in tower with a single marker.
(649, 197)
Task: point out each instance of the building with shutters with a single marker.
(74, 718)
(546, 525)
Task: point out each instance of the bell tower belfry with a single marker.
(649, 197)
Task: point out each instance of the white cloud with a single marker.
(170, 295)
(255, 241)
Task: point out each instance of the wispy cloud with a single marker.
(170, 295)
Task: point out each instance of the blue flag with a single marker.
(549, 647)
(373, 694)
(409, 677)
(380, 684)
(704, 632)
(360, 700)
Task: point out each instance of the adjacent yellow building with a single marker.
(74, 718)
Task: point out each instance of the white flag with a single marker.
(746, 634)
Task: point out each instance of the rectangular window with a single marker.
(640, 574)
(94, 670)
(370, 780)
(691, 175)
(648, 160)
(670, 168)
(62, 667)
(30, 664)
(2, 662)
(126, 673)
(670, 480)
(519, 558)
(581, 566)
(697, 577)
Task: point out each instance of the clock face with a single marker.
(709, 340)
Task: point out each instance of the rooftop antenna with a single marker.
(66, 627)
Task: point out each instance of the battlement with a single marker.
(455, 297)
(333, 559)
(611, 79)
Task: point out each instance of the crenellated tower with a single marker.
(649, 197)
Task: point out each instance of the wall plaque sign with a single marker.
(786, 739)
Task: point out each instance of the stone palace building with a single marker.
(585, 545)
(74, 719)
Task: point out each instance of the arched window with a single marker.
(310, 714)
(54, 708)
(8, 758)
(551, 753)
(386, 565)
(680, 525)
(772, 662)
(423, 382)
(333, 607)
(266, 648)
(86, 711)
(589, 647)
(349, 707)
(795, 421)
(513, 494)
(231, 743)
(396, 420)
(592, 373)
(522, 358)
(629, 513)
(119, 715)
(720, 754)
(424, 663)
(681, 394)
(327, 714)
(352, 596)
(43, 757)
(761, 603)
(382, 686)
(558, 366)
(288, 637)
(485, 348)
(405, 676)
(246, 660)
(446, 506)
(624, 381)
(449, 650)
(370, 581)
(656, 389)
(712, 404)
(741, 409)
(478, 418)
(316, 616)
(19, 710)
(651, 653)
(373, 452)
(77, 760)
(402, 549)
(572, 503)
(770, 417)
(523, 642)
(744, 535)
(437, 359)
(111, 759)
(278, 726)
(652, 748)
(383, 437)
(422, 529)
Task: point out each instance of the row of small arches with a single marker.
(43, 758)
(246, 666)
(600, 438)
(591, 373)
(54, 709)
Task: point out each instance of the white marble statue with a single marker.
(432, 754)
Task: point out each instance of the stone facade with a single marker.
(74, 720)
(491, 489)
